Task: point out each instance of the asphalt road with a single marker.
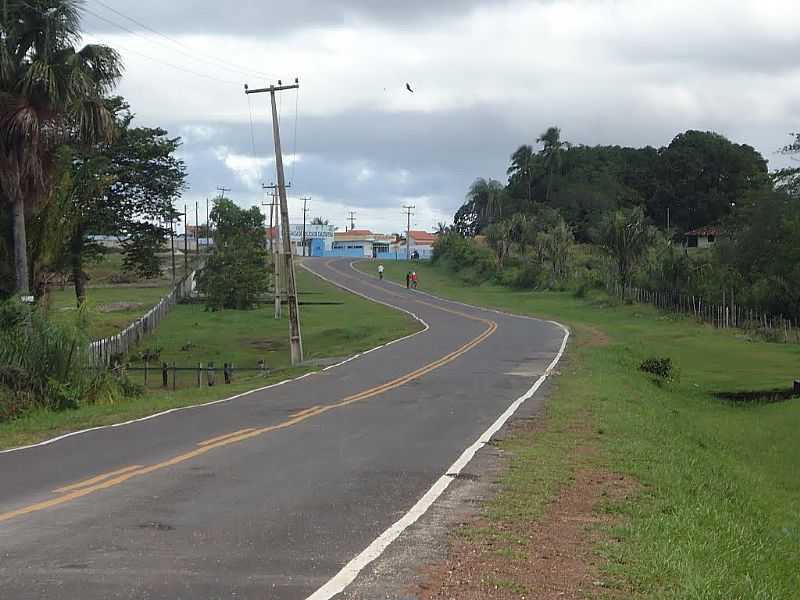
(310, 473)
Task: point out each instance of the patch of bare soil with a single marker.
(556, 560)
(118, 306)
(592, 338)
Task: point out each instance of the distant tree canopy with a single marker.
(699, 177)
(634, 204)
(236, 271)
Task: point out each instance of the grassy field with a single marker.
(335, 324)
(110, 305)
(718, 512)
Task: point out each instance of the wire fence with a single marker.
(725, 315)
(105, 350)
(165, 375)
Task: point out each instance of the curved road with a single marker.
(270, 494)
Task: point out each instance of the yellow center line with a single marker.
(88, 482)
(114, 478)
(222, 437)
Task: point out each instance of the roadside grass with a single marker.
(108, 310)
(334, 325)
(718, 511)
(110, 304)
(330, 331)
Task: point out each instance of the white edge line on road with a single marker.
(261, 389)
(481, 308)
(350, 571)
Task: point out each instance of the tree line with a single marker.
(72, 163)
(579, 216)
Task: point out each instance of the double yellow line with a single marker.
(117, 477)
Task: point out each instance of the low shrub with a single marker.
(661, 367)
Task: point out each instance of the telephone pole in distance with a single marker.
(408, 208)
(306, 200)
(295, 340)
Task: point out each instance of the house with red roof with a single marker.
(703, 237)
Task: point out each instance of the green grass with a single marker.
(100, 314)
(718, 515)
(330, 331)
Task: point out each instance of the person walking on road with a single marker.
(414, 279)
(408, 279)
(380, 272)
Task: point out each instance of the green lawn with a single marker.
(718, 515)
(335, 324)
(110, 304)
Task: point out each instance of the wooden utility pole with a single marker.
(208, 227)
(185, 241)
(274, 248)
(408, 208)
(305, 212)
(352, 221)
(295, 340)
(222, 189)
(172, 242)
(196, 231)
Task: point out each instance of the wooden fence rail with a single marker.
(725, 315)
(103, 350)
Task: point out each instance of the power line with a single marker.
(193, 52)
(294, 149)
(158, 60)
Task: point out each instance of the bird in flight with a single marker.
(408, 87)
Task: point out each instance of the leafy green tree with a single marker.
(484, 205)
(626, 237)
(523, 162)
(235, 274)
(498, 236)
(125, 188)
(50, 94)
(702, 175)
(762, 245)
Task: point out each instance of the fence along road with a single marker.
(103, 350)
(273, 493)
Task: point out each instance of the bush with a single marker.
(530, 276)
(44, 365)
(661, 367)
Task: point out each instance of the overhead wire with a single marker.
(191, 52)
(158, 60)
(294, 144)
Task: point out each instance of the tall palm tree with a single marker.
(50, 94)
(319, 221)
(442, 228)
(487, 198)
(551, 150)
(522, 164)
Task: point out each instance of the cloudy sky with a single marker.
(488, 76)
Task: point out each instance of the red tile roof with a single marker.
(706, 231)
(423, 237)
(357, 232)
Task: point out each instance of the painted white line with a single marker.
(350, 571)
(425, 328)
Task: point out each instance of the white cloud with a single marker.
(607, 71)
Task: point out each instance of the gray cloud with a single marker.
(270, 18)
(490, 76)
